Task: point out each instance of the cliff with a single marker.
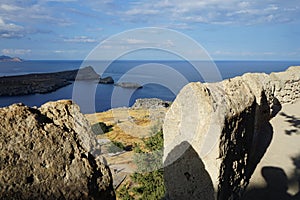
(224, 128)
(50, 153)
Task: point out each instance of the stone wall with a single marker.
(227, 124)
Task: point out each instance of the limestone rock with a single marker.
(47, 153)
(150, 103)
(227, 124)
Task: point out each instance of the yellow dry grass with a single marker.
(130, 126)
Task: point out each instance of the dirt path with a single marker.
(283, 155)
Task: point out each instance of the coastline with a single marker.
(43, 82)
(228, 69)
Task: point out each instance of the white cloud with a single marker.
(137, 11)
(10, 30)
(59, 51)
(212, 11)
(65, 51)
(135, 41)
(31, 13)
(183, 26)
(242, 53)
(16, 51)
(83, 39)
(141, 42)
(9, 8)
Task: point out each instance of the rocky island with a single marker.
(43, 82)
(129, 85)
(4, 58)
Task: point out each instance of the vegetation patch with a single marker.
(148, 182)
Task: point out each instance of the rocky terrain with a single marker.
(224, 128)
(215, 137)
(150, 103)
(43, 83)
(130, 126)
(50, 153)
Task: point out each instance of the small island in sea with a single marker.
(4, 58)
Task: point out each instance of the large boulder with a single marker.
(227, 124)
(49, 153)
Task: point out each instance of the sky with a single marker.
(226, 29)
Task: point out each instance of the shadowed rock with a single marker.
(107, 80)
(186, 177)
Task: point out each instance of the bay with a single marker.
(162, 80)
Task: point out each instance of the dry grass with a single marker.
(130, 126)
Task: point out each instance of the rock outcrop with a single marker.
(49, 153)
(129, 85)
(227, 124)
(107, 80)
(150, 103)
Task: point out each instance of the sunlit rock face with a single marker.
(227, 124)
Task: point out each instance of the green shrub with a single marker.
(124, 194)
(156, 142)
(149, 182)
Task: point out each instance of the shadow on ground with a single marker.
(294, 122)
(276, 189)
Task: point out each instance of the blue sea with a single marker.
(160, 79)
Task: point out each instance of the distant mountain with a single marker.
(4, 58)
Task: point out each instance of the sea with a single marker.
(160, 79)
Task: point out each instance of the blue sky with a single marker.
(228, 30)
